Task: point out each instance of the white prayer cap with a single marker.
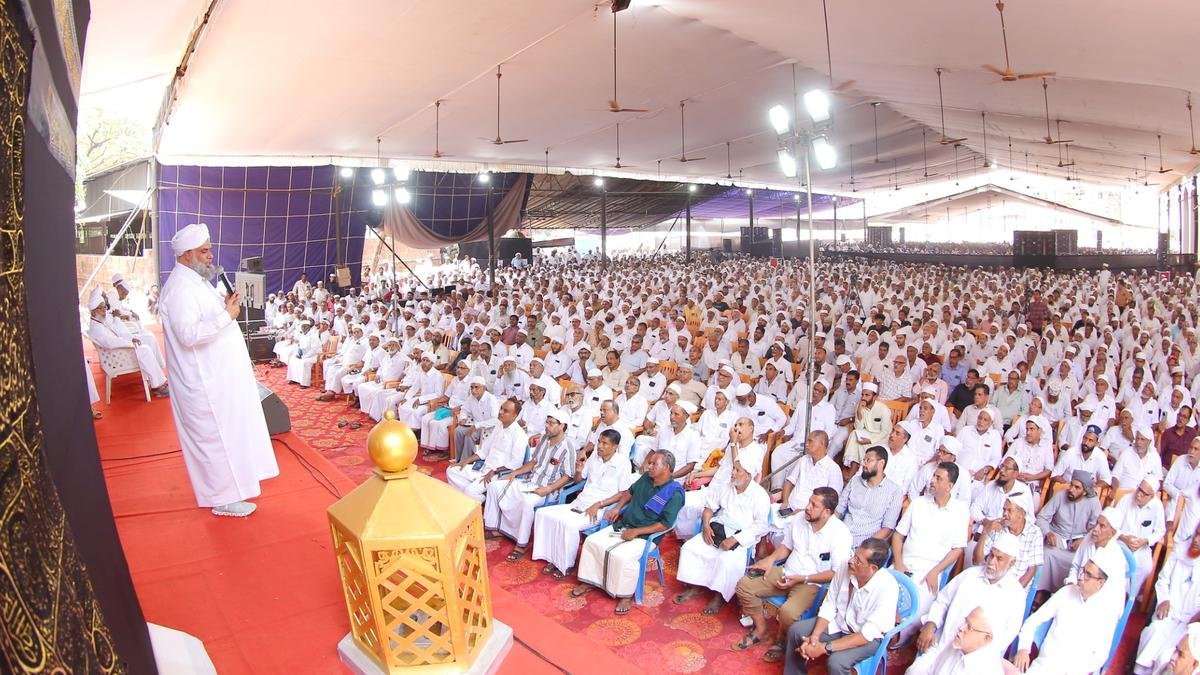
(95, 299)
(1152, 480)
(743, 389)
(1021, 498)
(844, 360)
(1111, 562)
(555, 333)
(824, 382)
(542, 382)
(560, 415)
(594, 372)
(676, 388)
(1055, 387)
(1145, 431)
(1193, 638)
(476, 379)
(1089, 404)
(1113, 516)
(430, 357)
(537, 361)
(1007, 542)
(871, 387)
(688, 407)
(305, 322)
(189, 237)
(1140, 356)
(507, 358)
(951, 445)
(652, 361)
(752, 467)
(928, 391)
(117, 278)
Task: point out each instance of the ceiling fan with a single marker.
(925, 157)
(498, 140)
(437, 130)
(613, 104)
(1046, 100)
(1008, 75)
(683, 138)
(1067, 146)
(1192, 125)
(619, 165)
(944, 140)
(1161, 169)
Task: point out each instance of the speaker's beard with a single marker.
(206, 271)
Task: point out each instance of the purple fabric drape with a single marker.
(401, 223)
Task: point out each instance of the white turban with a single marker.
(188, 238)
(117, 278)
(95, 299)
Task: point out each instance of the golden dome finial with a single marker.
(391, 444)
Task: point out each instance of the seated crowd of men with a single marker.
(1008, 440)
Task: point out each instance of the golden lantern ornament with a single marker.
(413, 565)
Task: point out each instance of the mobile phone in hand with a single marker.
(755, 573)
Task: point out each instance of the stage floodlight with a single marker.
(824, 153)
(816, 102)
(379, 198)
(403, 196)
(378, 176)
(780, 120)
(787, 163)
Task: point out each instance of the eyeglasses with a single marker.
(1088, 575)
(967, 625)
(1145, 493)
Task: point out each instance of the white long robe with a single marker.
(214, 397)
(744, 515)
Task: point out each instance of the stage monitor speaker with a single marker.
(261, 347)
(727, 245)
(343, 276)
(1033, 248)
(278, 419)
(253, 265)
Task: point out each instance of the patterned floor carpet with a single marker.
(656, 636)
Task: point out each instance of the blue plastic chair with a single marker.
(906, 606)
(562, 495)
(1033, 589)
(1130, 598)
(478, 464)
(811, 612)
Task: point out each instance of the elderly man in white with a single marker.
(1142, 525)
(992, 587)
(734, 519)
(1085, 614)
(1178, 593)
(435, 427)
(349, 360)
(308, 348)
(812, 547)
(108, 333)
(931, 536)
(813, 470)
(556, 528)
(477, 413)
(796, 431)
(742, 446)
(428, 384)
(222, 431)
(502, 450)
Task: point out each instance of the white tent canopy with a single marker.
(307, 82)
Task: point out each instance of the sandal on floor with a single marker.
(96, 414)
(621, 611)
(746, 642)
(549, 569)
(683, 597)
(515, 555)
(342, 424)
(356, 426)
(557, 575)
(580, 591)
(774, 653)
(709, 610)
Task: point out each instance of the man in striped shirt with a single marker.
(511, 500)
(870, 505)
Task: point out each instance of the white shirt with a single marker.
(978, 450)
(603, 479)
(871, 610)
(816, 551)
(1081, 635)
(744, 513)
(807, 476)
(1131, 468)
(504, 448)
(685, 445)
(931, 531)
(1003, 602)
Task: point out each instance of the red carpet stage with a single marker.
(263, 593)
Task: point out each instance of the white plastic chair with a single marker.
(116, 362)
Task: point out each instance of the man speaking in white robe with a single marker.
(222, 431)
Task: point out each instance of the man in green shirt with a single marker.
(611, 558)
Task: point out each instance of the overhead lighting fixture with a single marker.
(787, 163)
(485, 177)
(598, 181)
(403, 196)
(692, 188)
(401, 173)
(378, 176)
(824, 152)
(992, 164)
(346, 172)
(378, 198)
(780, 120)
(817, 104)
(749, 191)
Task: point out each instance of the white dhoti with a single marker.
(924, 598)
(509, 508)
(556, 535)
(642, 445)
(1145, 566)
(611, 563)
(328, 368)
(299, 369)
(351, 383)
(149, 365)
(1157, 643)
(854, 450)
(687, 524)
(435, 433)
(703, 565)
(93, 393)
(411, 412)
(468, 481)
(147, 338)
(284, 350)
(371, 397)
(780, 456)
(1057, 564)
(837, 441)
